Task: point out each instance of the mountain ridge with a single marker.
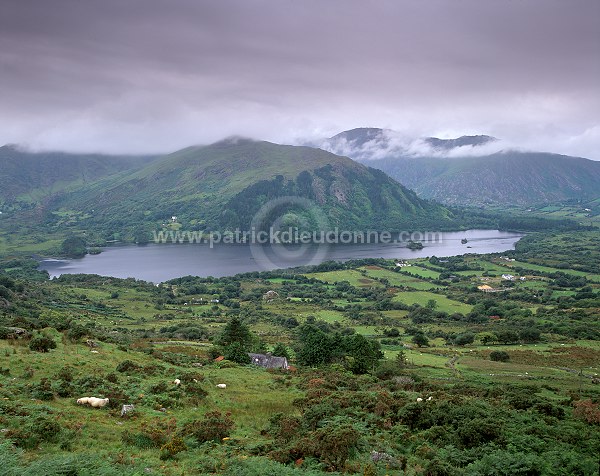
(223, 185)
(475, 178)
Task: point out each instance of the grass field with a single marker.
(421, 272)
(399, 279)
(442, 302)
(352, 276)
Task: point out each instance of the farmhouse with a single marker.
(269, 361)
(508, 277)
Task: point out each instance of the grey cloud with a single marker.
(150, 75)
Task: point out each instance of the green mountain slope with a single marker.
(223, 185)
(462, 171)
(507, 178)
(32, 176)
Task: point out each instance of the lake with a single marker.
(161, 262)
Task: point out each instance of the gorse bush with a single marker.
(12, 464)
(499, 356)
(42, 343)
(214, 427)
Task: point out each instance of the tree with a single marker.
(281, 350)
(431, 304)
(237, 353)
(316, 347)
(487, 337)
(529, 335)
(420, 340)
(364, 354)
(142, 235)
(401, 359)
(235, 331)
(74, 247)
(465, 338)
(499, 356)
(42, 344)
(507, 337)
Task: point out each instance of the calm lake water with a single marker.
(161, 262)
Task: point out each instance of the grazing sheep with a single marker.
(93, 401)
(419, 400)
(429, 399)
(221, 385)
(98, 402)
(177, 382)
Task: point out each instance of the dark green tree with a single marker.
(74, 247)
(420, 340)
(42, 344)
(315, 346)
(236, 353)
(280, 350)
(235, 331)
(499, 356)
(363, 353)
(507, 337)
(529, 335)
(464, 338)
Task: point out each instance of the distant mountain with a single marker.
(223, 185)
(466, 171)
(463, 141)
(31, 176)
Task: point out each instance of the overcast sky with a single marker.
(155, 76)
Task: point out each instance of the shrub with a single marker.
(479, 431)
(387, 370)
(42, 390)
(127, 366)
(42, 344)
(66, 374)
(153, 434)
(90, 384)
(214, 427)
(420, 340)
(38, 429)
(63, 388)
(76, 332)
(235, 352)
(332, 444)
(465, 338)
(587, 411)
(170, 449)
(499, 356)
(280, 350)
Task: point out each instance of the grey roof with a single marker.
(269, 361)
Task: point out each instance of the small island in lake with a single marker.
(414, 245)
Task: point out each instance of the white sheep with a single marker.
(419, 400)
(177, 382)
(98, 402)
(93, 401)
(429, 399)
(221, 385)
